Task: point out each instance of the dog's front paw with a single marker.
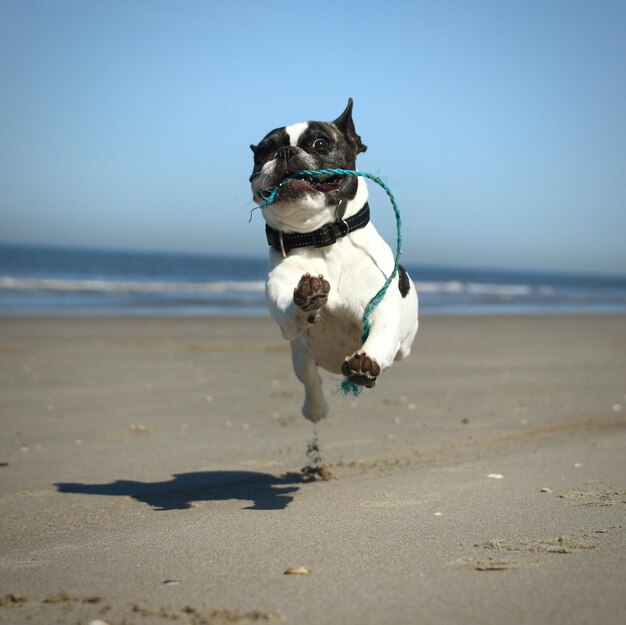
(311, 294)
(361, 369)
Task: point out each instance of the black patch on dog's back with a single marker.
(404, 284)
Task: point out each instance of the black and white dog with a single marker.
(327, 260)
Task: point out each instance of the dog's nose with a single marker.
(285, 153)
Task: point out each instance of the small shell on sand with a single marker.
(297, 570)
(140, 429)
(172, 582)
(496, 476)
(545, 489)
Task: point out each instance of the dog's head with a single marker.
(304, 203)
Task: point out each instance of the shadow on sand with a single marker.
(266, 491)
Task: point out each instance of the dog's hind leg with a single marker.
(315, 407)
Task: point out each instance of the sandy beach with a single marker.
(151, 473)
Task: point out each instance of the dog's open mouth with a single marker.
(324, 184)
(295, 185)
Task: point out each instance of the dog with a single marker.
(327, 260)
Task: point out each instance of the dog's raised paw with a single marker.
(311, 293)
(361, 369)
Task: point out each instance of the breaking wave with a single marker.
(129, 286)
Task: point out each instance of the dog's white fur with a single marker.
(294, 131)
(356, 266)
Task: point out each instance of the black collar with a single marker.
(326, 235)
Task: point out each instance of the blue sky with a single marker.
(500, 126)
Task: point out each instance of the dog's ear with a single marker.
(253, 148)
(346, 125)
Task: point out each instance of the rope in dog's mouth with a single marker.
(269, 196)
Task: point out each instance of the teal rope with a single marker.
(269, 195)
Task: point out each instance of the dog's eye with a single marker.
(321, 143)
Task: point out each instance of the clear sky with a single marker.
(500, 126)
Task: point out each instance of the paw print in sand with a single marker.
(311, 294)
(361, 369)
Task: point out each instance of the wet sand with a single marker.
(482, 481)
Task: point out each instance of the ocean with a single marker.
(37, 281)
